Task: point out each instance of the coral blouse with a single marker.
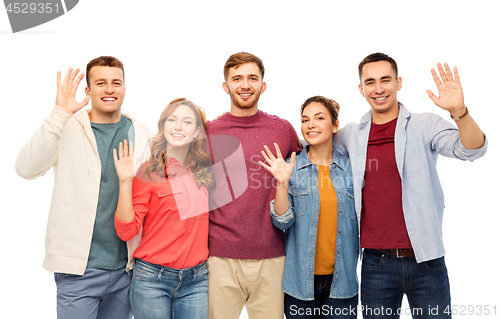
(173, 214)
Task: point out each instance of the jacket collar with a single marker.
(303, 159)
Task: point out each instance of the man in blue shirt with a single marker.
(393, 155)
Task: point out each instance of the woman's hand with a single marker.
(124, 162)
(281, 170)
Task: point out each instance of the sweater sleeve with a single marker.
(40, 153)
(141, 194)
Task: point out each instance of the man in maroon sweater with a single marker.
(246, 251)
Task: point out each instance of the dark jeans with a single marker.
(322, 306)
(386, 278)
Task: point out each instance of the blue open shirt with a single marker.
(418, 140)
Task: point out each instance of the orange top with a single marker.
(173, 214)
(326, 238)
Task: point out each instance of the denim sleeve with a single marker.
(284, 221)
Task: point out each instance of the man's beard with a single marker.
(245, 104)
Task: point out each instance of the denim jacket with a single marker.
(300, 224)
(418, 140)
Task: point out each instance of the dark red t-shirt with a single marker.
(382, 221)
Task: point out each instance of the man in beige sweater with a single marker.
(90, 263)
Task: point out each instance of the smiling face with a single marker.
(317, 125)
(244, 85)
(107, 91)
(180, 127)
(379, 86)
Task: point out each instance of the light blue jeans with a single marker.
(97, 294)
(159, 292)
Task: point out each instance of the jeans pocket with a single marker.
(371, 261)
(202, 273)
(435, 264)
(142, 273)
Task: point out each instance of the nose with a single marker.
(110, 88)
(311, 124)
(379, 88)
(178, 125)
(245, 83)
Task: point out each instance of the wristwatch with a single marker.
(456, 118)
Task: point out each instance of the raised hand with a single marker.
(124, 161)
(281, 170)
(451, 96)
(66, 91)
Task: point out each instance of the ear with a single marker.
(225, 87)
(360, 87)
(87, 91)
(400, 83)
(336, 127)
(263, 88)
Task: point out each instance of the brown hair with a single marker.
(110, 61)
(376, 57)
(199, 159)
(332, 106)
(240, 58)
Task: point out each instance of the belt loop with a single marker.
(387, 253)
(160, 273)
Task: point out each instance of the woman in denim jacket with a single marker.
(314, 205)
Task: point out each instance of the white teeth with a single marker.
(109, 99)
(245, 94)
(177, 135)
(380, 98)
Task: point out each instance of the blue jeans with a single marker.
(322, 306)
(162, 292)
(385, 278)
(97, 294)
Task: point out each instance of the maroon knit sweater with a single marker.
(240, 224)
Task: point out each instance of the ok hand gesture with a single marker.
(451, 96)
(281, 170)
(66, 91)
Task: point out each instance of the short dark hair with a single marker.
(376, 57)
(110, 61)
(237, 59)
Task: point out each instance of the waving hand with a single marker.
(281, 170)
(451, 96)
(66, 91)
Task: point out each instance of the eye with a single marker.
(170, 119)
(187, 122)
(304, 120)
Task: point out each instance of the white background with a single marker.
(178, 49)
